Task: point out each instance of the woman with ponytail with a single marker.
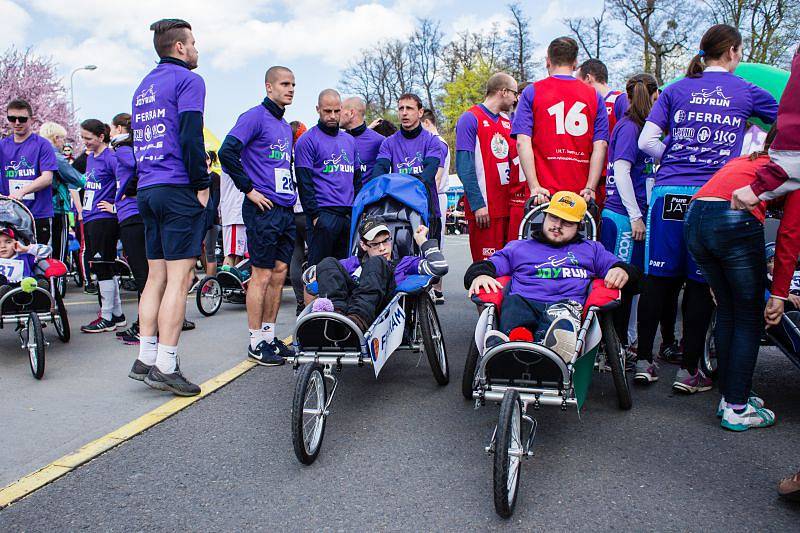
(704, 117)
(623, 229)
(131, 226)
(101, 230)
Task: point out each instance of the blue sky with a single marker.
(238, 40)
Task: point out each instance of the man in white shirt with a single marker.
(234, 238)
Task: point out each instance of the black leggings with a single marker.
(59, 236)
(101, 246)
(131, 233)
(298, 257)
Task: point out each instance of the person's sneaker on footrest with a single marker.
(753, 400)
(264, 355)
(494, 338)
(690, 383)
(119, 321)
(562, 337)
(174, 383)
(139, 370)
(322, 305)
(744, 419)
(437, 297)
(188, 325)
(789, 488)
(98, 325)
(646, 372)
(281, 349)
(671, 353)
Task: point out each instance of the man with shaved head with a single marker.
(257, 155)
(368, 141)
(327, 175)
(486, 160)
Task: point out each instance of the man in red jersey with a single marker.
(484, 155)
(561, 129)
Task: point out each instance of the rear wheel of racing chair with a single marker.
(708, 363)
(616, 360)
(33, 341)
(309, 411)
(470, 366)
(209, 296)
(432, 339)
(508, 453)
(60, 319)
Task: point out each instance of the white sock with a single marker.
(106, 288)
(268, 330)
(117, 309)
(148, 350)
(167, 358)
(256, 336)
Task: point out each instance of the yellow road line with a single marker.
(38, 479)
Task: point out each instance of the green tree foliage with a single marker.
(467, 89)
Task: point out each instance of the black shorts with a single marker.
(43, 228)
(174, 222)
(101, 246)
(270, 234)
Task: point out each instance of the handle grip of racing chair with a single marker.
(495, 298)
(55, 269)
(601, 298)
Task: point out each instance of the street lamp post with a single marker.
(71, 85)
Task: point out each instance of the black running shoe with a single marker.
(139, 370)
(671, 354)
(265, 355)
(281, 349)
(174, 383)
(99, 325)
(91, 288)
(188, 325)
(119, 321)
(132, 331)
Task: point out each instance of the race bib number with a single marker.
(12, 269)
(15, 185)
(675, 206)
(283, 181)
(574, 122)
(504, 172)
(88, 200)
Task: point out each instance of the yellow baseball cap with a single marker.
(567, 205)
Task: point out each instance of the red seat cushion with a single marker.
(494, 298)
(601, 297)
(54, 268)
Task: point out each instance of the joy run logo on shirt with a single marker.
(711, 97)
(555, 268)
(338, 163)
(411, 165)
(279, 150)
(148, 96)
(20, 169)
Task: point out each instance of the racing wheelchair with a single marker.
(229, 284)
(325, 342)
(31, 311)
(522, 374)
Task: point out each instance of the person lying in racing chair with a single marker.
(550, 276)
(360, 286)
(21, 265)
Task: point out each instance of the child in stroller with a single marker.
(21, 265)
(360, 286)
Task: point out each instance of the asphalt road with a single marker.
(401, 453)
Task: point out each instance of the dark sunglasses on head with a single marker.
(21, 120)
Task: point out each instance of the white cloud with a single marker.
(15, 24)
(117, 63)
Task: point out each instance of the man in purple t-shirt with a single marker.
(28, 163)
(325, 163)
(257, 155)
(368, 141)
(550, 276)
(172, 192)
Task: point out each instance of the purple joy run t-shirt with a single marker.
(332, 161)
(704, 119)
(101, 184)
(548, 274)
(24, 162)
(126, 169)
(166, 92)
(624, 146)
(367, 146)
(408, 156)
(267, 153)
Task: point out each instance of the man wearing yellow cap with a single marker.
(550, 275)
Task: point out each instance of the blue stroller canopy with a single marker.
(406, 189)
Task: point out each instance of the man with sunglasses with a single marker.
(485, 155)
(28, 164)
(360, 286)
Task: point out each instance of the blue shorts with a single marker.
(666, 254)
(270, 234)
(174, 222)
(617, 238)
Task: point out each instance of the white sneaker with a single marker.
(562, 337)
(493, 338)
(753, 400)
(750, 417)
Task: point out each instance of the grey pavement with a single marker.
(85, 392)
(401, 453)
